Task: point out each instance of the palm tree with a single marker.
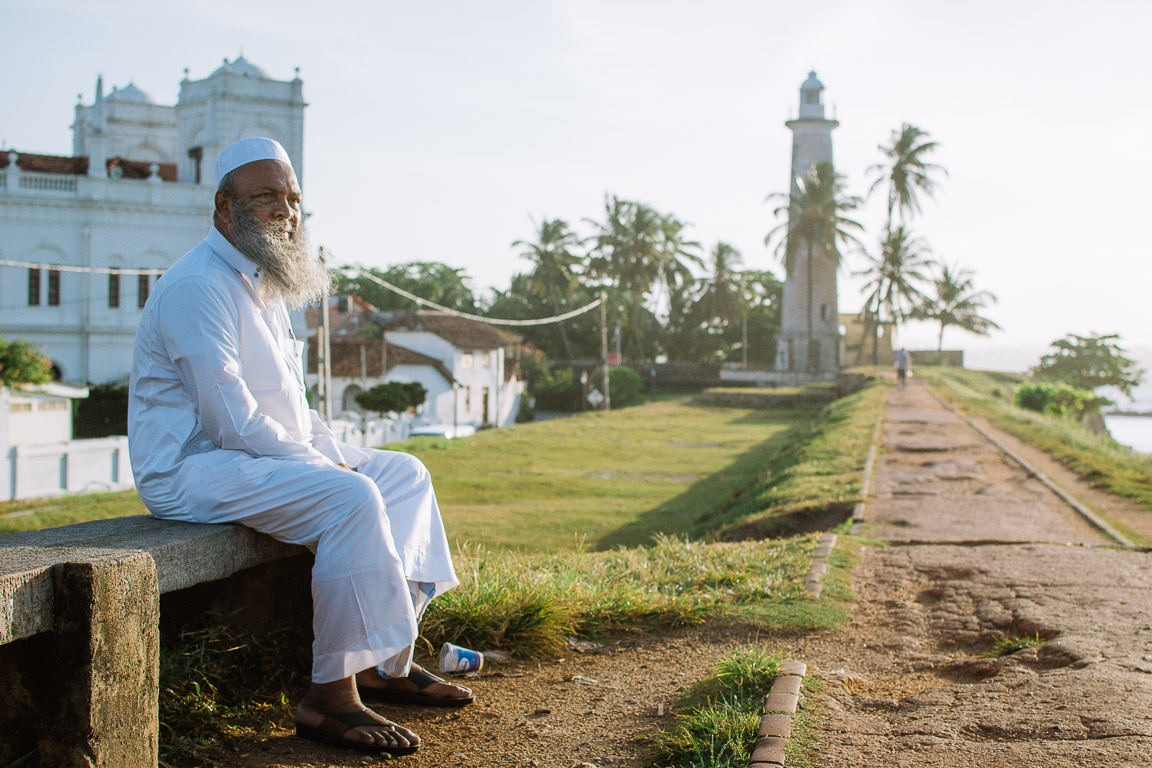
(957, 303)
(723, 297)
(814, 226)
(894, 281)
(624, 249)
(906, 172)
(554, 278)
(674, 253)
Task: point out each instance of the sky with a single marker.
(441, 130)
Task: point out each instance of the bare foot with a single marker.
(328, 700)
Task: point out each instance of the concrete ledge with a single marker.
(185, 554)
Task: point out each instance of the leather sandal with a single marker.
(333, 730)
(421, 679)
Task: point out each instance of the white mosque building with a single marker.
(135, 194)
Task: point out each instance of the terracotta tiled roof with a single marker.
(346, 360)
(26, 161)
(78, 166)
(142, 169)
(461, 332)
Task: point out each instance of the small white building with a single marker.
(136, 194)
(469, 369)
(38, 456)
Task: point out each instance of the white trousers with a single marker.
(381, 551)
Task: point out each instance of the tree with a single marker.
(674, 253)
(957, 303)
(894, 279)
(722, 299)
(430, 280)
(1088, 362)
(392, 397)
(814, 226)
(624, 252)
(581, 334)
(906, 173)
(554, 278)
(20, 363)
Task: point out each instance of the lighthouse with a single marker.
(809, 340)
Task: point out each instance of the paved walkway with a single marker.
(979, 551)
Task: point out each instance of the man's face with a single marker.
(267, 190)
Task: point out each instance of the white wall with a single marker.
(76, 466)
(95, 223)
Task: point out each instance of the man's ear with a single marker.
(223, 208)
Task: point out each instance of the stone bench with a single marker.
(96, 586)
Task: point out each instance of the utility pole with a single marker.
(324, 356)
(604, 347)
(744, 342)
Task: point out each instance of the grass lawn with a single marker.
(31, 515)
(602, 480)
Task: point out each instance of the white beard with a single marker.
(291, 273)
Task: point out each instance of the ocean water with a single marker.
(1132, 431)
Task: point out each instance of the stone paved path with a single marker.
(979, 551)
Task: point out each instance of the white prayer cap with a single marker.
(246, 151)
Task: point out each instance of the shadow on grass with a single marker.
(712, 496)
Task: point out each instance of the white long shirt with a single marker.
(217, 367)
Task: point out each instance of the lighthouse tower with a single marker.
(809, 340)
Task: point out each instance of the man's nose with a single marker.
(282, 209)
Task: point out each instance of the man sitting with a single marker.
(220, 432)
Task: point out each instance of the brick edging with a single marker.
(813, 582)
(866, 483)
(776, 725)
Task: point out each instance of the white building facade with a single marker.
(467, 368)
(136, 194)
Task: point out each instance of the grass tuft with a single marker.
(1008, 645)
(219, 686)
(717, 718)
(530, 603)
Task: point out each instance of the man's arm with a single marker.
(200, 329)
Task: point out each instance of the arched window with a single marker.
(349, 400)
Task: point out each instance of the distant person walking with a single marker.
(902, 359)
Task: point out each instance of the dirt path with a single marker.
(980, 551)
(592, 708)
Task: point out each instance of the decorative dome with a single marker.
(812, 84)
(241, 67)
(132, 94)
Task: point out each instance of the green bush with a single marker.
(103, 413)
(627, 387)
(1062, 400)
(20, 363)
(557, 391)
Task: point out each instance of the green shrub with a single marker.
(20, 363)
(1062, 400)
(556, 391)
(102, 414)
(527, 412)
(627, 387)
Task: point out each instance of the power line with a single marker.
(481, 318)
(69, 268)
